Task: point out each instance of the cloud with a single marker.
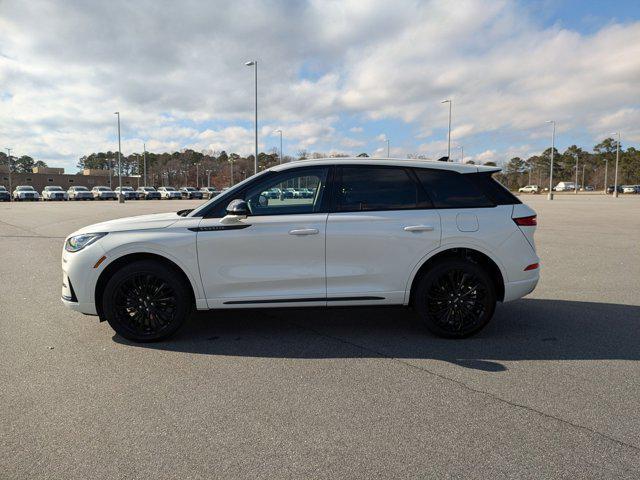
(175, 70)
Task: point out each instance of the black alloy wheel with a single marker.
(146, 301)
(455, 299)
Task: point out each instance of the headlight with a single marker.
(78, 242)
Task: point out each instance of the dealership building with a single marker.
(42, 177)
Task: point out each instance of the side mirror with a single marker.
(236, 210)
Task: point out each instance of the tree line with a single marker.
(189, 167)
(592, 167)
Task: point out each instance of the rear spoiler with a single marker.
(486, 169)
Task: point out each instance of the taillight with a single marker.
(530, 221)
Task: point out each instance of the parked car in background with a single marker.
(529, 189)
(209, 192)
(270, 193)
(190, 193)
(610, 189)
(587, 188)
(103, 193)
(460, 242)
(148, 193)
(79, 192)
(5, 196)
(25, 193)
(128, 192)
(169, 193)
(565, 186)
(307, 193)
(289, 193)
(629, 189)
(54, 193)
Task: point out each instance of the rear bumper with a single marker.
(515, 290)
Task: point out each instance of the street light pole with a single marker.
(576, 182)
(583, 165)
(615, 182)
(144, 162)
(120, 195)
(208, 178)
(231, 162)
(388, 150)
(462, 155)
(553, 147)
(280, 132)
(197, 175)
(9, 167)
(449, 135)
(254, 63)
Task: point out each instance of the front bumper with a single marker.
(79, 278)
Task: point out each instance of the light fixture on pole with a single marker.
(9, 167)
(553, 147)
(254, 64)
(449, 135)
(615, 181)
(280, 132)
(120, 195)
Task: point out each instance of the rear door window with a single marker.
(367, 188)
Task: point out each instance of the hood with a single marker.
(141, 222)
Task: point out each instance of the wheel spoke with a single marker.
(145, 304)
(455, 300)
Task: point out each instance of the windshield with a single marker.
(148, 189)
(126, 189)
(190, 189)
(169, 189)
(102, 189)
(24, 189)
(2, 189)
(53, 189)
(80, 189)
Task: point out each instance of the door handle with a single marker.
(304, 231)
(418, 228)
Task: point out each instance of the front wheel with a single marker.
(455, 298)
(146, 301)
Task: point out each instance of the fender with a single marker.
(153, 249)
(450, 246)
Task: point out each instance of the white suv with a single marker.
(442, 237)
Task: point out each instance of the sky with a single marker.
(334, 76)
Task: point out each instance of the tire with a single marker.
(136, 285)
(470, 289)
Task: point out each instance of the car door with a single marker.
(380, 227)
(273, 257)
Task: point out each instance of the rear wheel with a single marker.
(455, 298)
(146, 301)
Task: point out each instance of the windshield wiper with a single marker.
(185, 212)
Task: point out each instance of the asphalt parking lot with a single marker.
(551, 389)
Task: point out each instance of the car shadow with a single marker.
(527, 329)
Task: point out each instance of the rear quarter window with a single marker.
(448, 189)
(493, 189)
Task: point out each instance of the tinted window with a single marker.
(449, 189)
(289, 192)
(492, 188)
(376, 188)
